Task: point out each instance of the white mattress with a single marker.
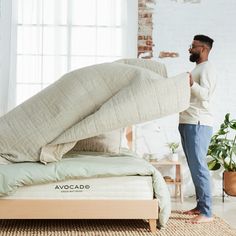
(124, 187)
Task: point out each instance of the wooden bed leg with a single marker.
(153, 225)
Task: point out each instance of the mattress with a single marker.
(124, 187)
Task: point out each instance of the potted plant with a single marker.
(222, 151)
(173, 147)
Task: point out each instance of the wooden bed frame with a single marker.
(82, 209)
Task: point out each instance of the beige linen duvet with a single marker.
(88, 102)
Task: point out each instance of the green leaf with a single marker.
(222, 132)
(226, 121)
(222, 148)
(233, 126)
(226, 167)
(234, 149)
(223, 126)
(213, 165)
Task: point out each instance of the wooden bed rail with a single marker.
(80, 209)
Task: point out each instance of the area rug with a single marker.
(176, 226)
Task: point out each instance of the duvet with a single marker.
(88, 102)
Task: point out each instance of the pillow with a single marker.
(109, 142)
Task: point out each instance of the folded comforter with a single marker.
(88, 102)
(13, 176)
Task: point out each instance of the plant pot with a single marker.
(229, 182)
(174, 157)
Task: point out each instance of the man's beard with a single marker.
(194, 57)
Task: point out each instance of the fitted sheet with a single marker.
(122, 188)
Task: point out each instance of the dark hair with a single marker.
(204, 39)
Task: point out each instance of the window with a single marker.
(57, 36)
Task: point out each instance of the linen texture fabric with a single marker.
(109, 142)
(88, 102)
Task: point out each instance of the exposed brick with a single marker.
(145, 28)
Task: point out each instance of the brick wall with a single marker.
(145, 28)
(146, 13)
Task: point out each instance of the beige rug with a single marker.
(176, 226)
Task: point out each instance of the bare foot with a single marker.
(193, 211)
(200, 219)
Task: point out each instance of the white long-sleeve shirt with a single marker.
(202, 91)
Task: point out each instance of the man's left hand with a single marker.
(190, 79)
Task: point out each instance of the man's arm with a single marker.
(202, 90)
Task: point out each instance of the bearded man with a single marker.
(195, 126)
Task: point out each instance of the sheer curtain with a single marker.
(57, 36)
(7, 55)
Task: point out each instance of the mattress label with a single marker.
(72, 187)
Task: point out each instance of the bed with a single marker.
(138, 203)
(84, 104)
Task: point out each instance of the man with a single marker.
(195, 126)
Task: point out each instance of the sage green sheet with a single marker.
(77, 166)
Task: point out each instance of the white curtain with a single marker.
(7, 57)
(57, 36)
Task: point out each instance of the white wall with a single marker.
(175, 25)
